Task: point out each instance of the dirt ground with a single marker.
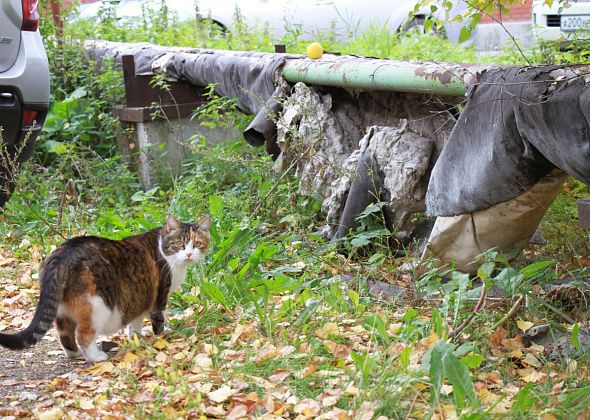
(26, 375)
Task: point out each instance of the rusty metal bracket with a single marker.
(146, 101)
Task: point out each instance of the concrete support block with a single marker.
(157, 149)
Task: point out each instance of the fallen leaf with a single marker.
(130, 357)
(161, 357)
(5, 261)
(161, 344)
(269, 403)
(215, 411)
(365, 412)
(221, 394)
(308, 370)
(55, 414)
(531, 375)
(237, 412)
(210, 349)
(495, 340)
(487, 397)
(330, 397)
(285, 350)
(337, 349)
(335, 414)
(531, 360)
(203, 361)
(279, 375)
(241, 331)
(524, 326)
(102, 368)
(86, 404)
(329, 329)
(430, 341)
(267, 353)
(307, 407)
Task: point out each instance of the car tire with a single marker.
(417, 25)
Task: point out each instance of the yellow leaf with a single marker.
(86, 404)
(101, 368)
(329, 329)
(517, 354)
(430, 341)
(130, 357)
(531, 360)
(531, 375)
(161, 344)
(309, 369)
(486, 397)
(524, 326)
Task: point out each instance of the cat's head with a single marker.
(184, 243)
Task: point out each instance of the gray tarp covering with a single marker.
(518, 123)
(250, 77)
(517, 126)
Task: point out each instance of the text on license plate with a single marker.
(574, 23)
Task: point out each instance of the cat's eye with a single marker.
(179, 243)
(198, 244)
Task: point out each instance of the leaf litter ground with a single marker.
(344, 364)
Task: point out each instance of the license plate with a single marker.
(575, 23)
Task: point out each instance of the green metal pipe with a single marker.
(375, 74)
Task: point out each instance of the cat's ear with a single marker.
(172, 224)
(205, 224)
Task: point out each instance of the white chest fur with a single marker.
(178, 274)
(177, 268)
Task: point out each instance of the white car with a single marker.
(24, 88)
(560, 22)
(345, 17)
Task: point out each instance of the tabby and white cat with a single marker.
(95, 286)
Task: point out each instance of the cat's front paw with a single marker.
(158, 324)
(159, 329)
(99, 356)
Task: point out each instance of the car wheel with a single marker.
(417, 26)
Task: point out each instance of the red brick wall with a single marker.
(518, 12)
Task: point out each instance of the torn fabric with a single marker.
(391, 166)
(517, 126)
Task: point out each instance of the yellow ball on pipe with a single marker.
(315, 50)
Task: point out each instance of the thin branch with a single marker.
(510, 313)
(467, 321)
(469, 3)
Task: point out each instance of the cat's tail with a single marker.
(44, 315)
